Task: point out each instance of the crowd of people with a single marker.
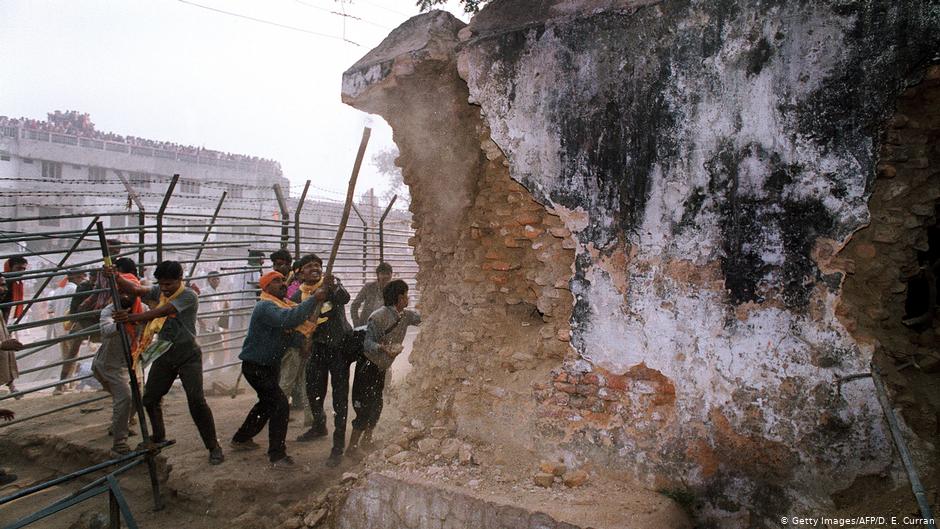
(298, 343)
(75, 123)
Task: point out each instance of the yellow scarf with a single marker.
(306, 328)
(155, 325)
(307, 290)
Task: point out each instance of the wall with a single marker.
(705, 161)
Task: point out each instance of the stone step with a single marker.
(390, 501)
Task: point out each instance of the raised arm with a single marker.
(159, 312)
(339, 295)
(271, 314)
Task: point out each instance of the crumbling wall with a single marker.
(709, 160)
(886, 298)
(494, 264)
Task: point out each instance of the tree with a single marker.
(384, 162)
(469, 6)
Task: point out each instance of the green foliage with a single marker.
(469, 6)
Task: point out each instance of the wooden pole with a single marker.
(350, 193)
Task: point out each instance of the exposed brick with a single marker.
(532, 233)
(527, 217)
(592, 378)
(566, 387)
(503, 266)
(586, 389)
(617, 382)
(499, 279)
(512, 242)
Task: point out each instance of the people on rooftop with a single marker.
(74, 123)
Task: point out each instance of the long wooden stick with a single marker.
(350, 192)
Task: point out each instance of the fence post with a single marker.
(59, 266)
(382, 228)
(285, 216)
(365, 245)
(129, 361)
(205, 237)
(166, 202)
(300, 206)
(141, 222)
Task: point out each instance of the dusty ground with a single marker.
(244, 492)
(198, 495)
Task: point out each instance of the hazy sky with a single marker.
(168, 70)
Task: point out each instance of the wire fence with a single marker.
(214, 238)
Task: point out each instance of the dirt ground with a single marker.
(198, 495)
(245, 492)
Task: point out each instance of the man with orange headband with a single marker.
(110, 366)
(273, 322)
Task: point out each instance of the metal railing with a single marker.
(258, 167)
(218, 248)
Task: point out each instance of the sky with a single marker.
(172, 71)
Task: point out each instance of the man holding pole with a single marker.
(110, 367)
(274, 321)
(171, 331)
(328, 361)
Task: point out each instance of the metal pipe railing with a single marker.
(382, 228)
(916, 487)
(160, 212)
(69, 477)
(57, 319)
(52, 298)
(54, 410)
(44, 344)
(56, 364)
(205, 238)
(300, 206)
(20, 393)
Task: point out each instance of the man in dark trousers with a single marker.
(273, 321)
(383, 343)
(370, 297)
(171, 323)
(328, 361)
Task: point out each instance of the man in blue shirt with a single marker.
(273, 321)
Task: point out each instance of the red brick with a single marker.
(566, 388)
(561, 377)
(532, 233)
(586, 389)
(527, 217)
(499, 279)
(617, 382)
(503, 266)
